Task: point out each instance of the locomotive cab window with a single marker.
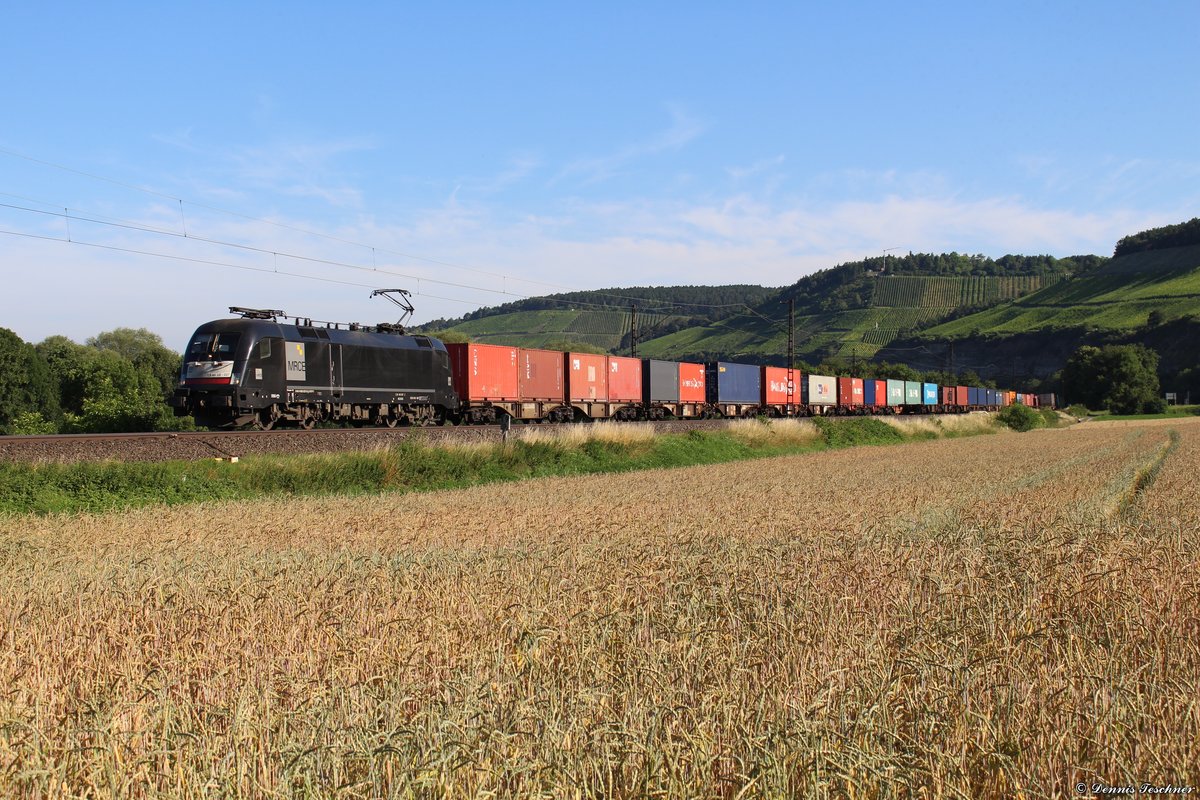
(264, 348)
(213, 347)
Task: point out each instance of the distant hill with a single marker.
(1121, 295)
(602, 318)
(848, 311)
(1014, 319)
(1148, 296)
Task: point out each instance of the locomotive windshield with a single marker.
(213, 347)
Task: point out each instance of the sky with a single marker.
(160, 162)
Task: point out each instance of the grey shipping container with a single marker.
(912, 393)
(660, 381)
(895, 393)
(733, 383)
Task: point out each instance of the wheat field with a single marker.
(979, 617)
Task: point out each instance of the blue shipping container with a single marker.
(869, 393)
(930, 393)
(733, 383)
(973, 396)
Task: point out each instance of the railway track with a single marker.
(197, 445)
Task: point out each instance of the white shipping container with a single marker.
(820, 390)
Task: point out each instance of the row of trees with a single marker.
(1181, 235)
(116, 381)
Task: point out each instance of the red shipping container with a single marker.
(962, 396)
(483, 371)
(624, 379)
(540, 375)
(947, 395)
(587, 377)
(775, 382)
(880, 394)
(850, 391)
(691, 383)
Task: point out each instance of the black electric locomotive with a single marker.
(261, 372)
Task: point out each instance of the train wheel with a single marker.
(264, 420)
(391, 421)
(308, 423)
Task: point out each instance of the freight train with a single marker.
(258, 371)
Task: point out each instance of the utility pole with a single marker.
(791, 384)
(633, 331)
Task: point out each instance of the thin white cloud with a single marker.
(757, 168)
(594, 169)
(744, 236)
(289, 168)
(1111, 181)
(518, 169)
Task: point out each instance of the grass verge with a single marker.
(417, 466)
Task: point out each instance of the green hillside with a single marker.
(1001, 318)
(1121, 295)
(848, 311)
(855, 309)
(602, 318)
(601, 328)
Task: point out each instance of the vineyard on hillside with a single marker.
(905, 291)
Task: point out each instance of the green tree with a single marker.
(969, 377)
(102, 390)
(145, 350)
(898, 372)
(1120, 378)
(26, 386)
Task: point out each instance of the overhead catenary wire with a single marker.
(205, 261)
(276, 271)
(661, 307)
(438, 262)
(668, 307)
(245, 267)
